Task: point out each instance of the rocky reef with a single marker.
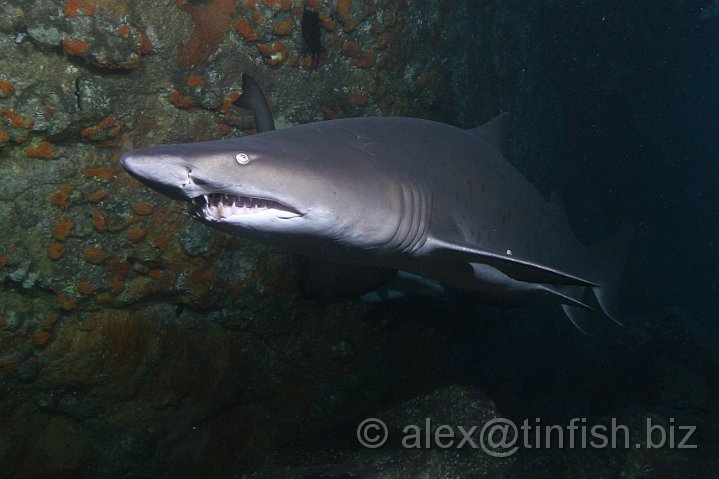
(135, 342)
(133, 339)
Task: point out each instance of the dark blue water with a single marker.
(641, 93)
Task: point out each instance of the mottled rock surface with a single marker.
(134, 340)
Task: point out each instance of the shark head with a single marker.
(222, 184)
(277, 184)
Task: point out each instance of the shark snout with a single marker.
(151, 166)
(135, 166)
(167, 174)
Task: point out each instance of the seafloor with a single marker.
(136, 342)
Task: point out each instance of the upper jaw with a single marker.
(225, 207)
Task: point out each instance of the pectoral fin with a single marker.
(514, 267)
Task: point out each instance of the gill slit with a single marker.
(411, 232)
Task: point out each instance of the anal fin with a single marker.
(569, 295)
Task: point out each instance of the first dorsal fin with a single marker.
(254, 100)
(495, 131)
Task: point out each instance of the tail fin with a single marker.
(610, 256)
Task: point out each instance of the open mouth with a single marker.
(219, 207)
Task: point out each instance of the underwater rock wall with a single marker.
(132, 339)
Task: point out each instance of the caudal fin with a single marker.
(610, 256)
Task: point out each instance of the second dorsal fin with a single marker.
(495, 131)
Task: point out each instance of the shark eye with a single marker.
(242, 158)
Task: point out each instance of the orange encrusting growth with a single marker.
(160, 241)
(6, 88)
(142, 209)
(351, 48)
(59, 198)
(17, 121)
(75, 8)
(327, 22)
(224, 128)
(99, 221)
(40, 338)
(74, 47)
(66, 303)
(146, 45)
(136, 235)
(43, 150)
(285, 5)
(244, 28)
(55, 251)
(50, 322)
(100, 173)
(349, 24)
(63, 228)
(97, 196)
(94, 255)
(367, 60)
(274, 53)
(105, 131)
(85, 287)
(357, 98)
(283, 28)
(194, 81)
(213, 21)
(181, 101)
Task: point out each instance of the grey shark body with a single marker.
(391, 193)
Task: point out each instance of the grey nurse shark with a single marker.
(438, 202)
